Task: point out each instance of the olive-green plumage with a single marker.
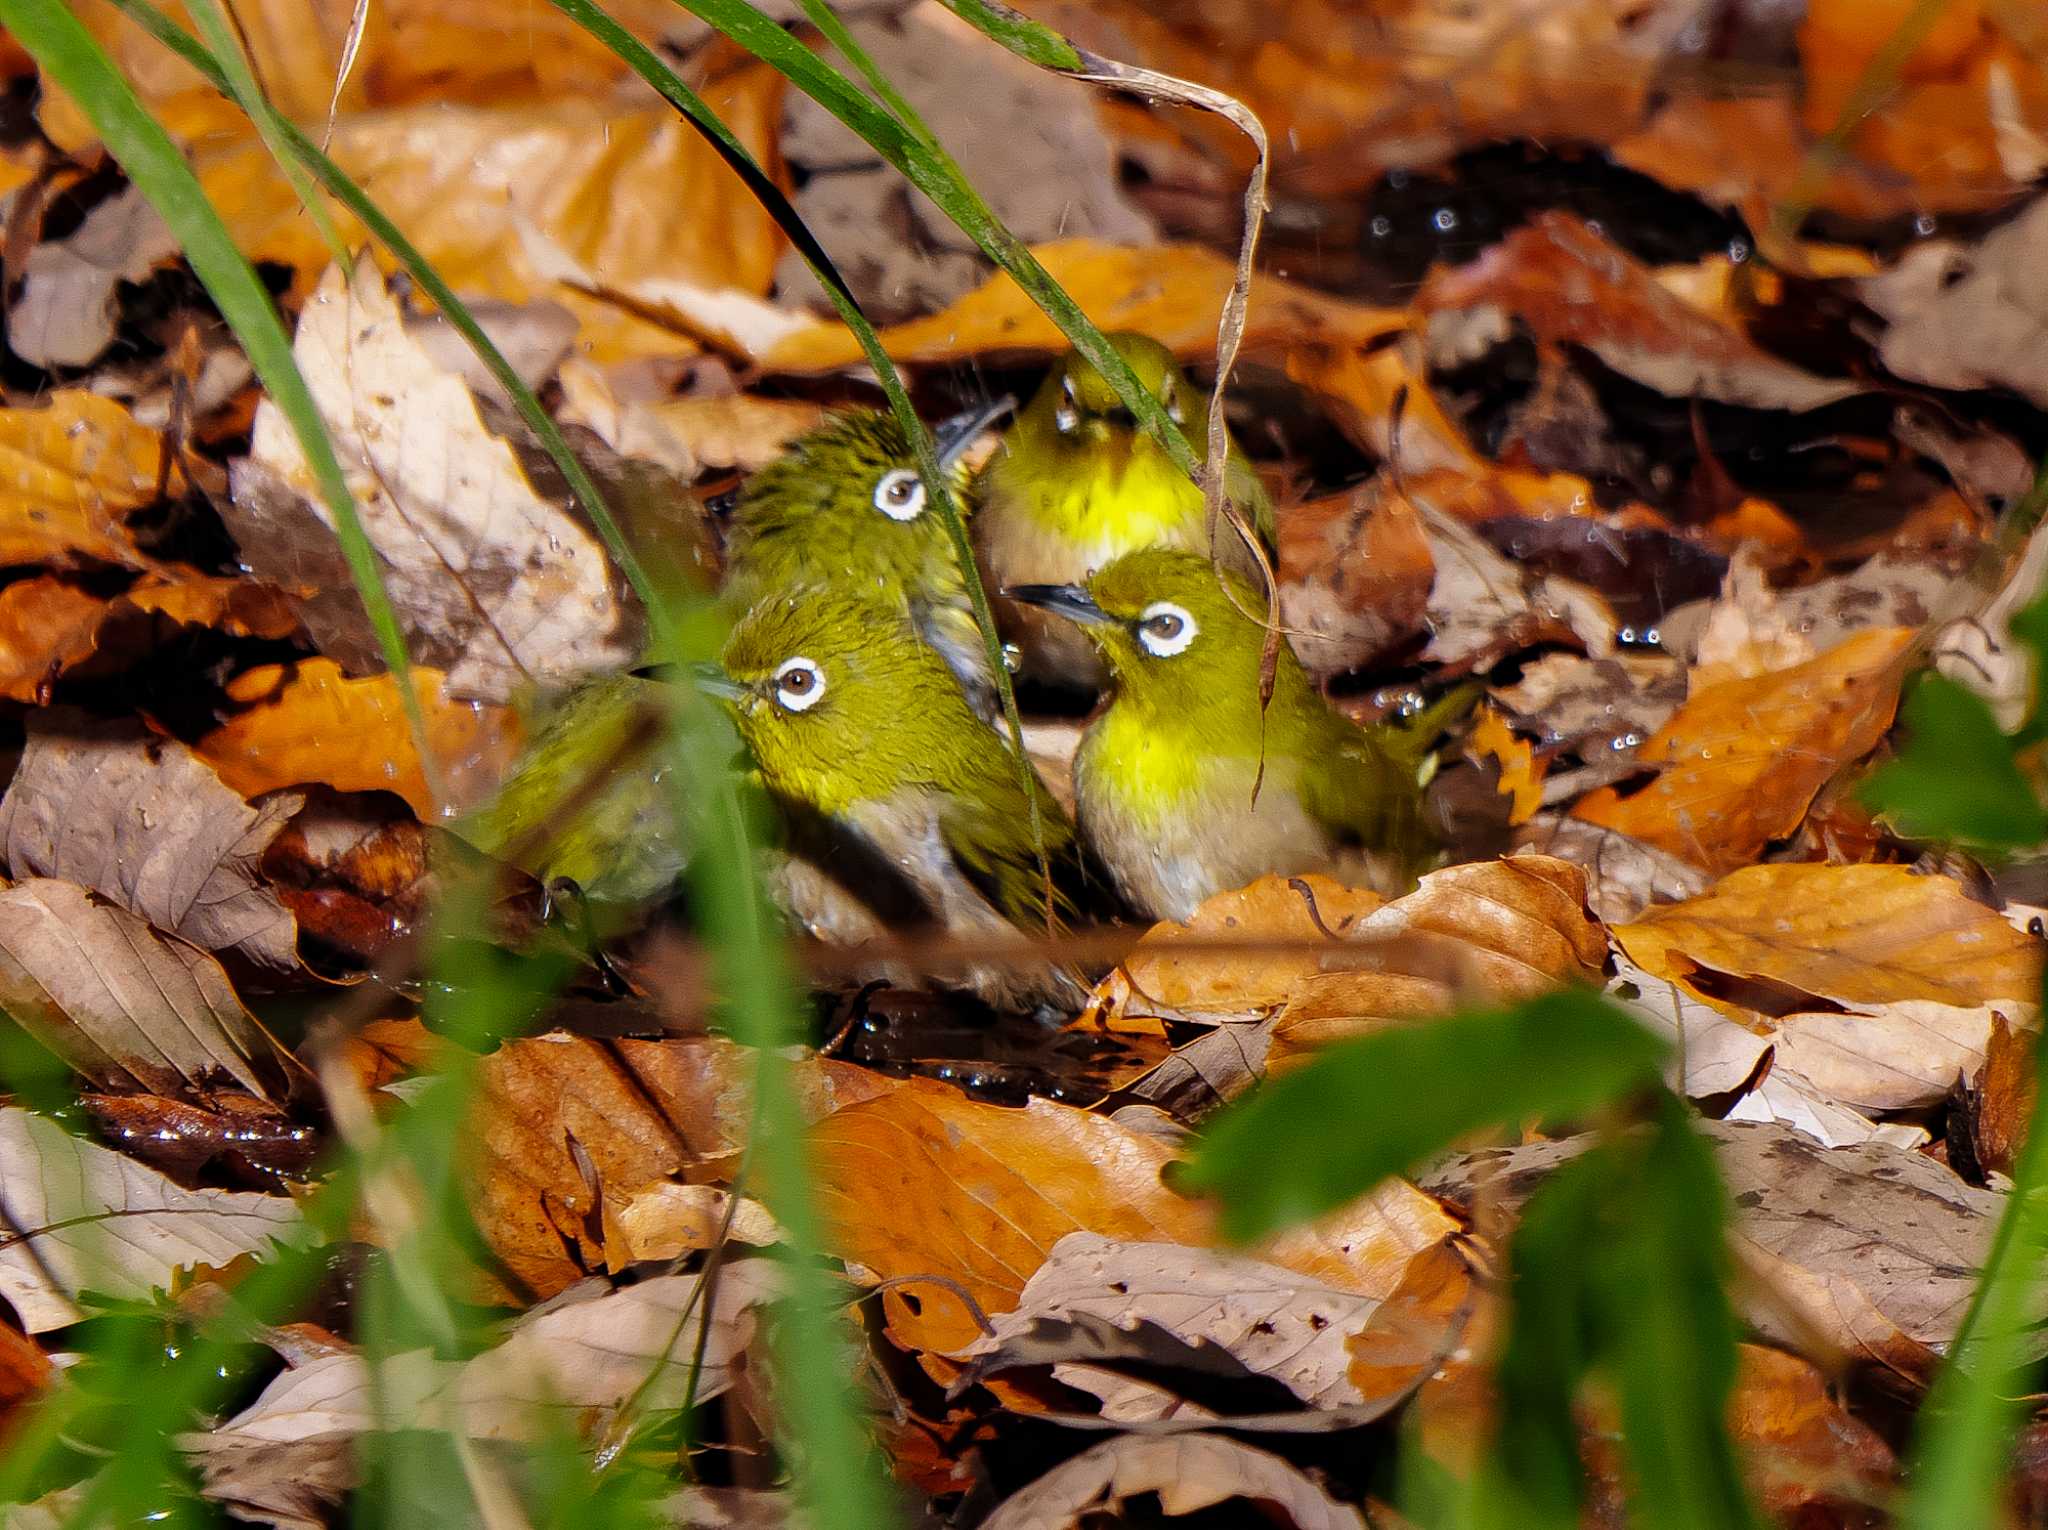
(1184, 788)
(1078, 484)
(892, 788)
(588, 801)
(843, 508)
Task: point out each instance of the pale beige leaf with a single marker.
(492, 583)
(64, 313)
(99, 1220)
(1187, 1472)
(123, 1004)
(1273, 1320)
(667, 1220)
(1483, 604)
(144, 823)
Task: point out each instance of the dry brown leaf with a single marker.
(924, 1181)
(72, 469)
(1481, 605)
(1172, 292)
(1489, 932)
(1186, 1473)
(1155, 977)
(64, 314)
(637, 1112)
(1940, 127)
(666, 1221)
(2004, 1099)
(1870, 1252)
(492, 583)
(1431, 1317)
(1355, 575)
(146, 824)
(1624, 876)
(1741, 760)
(99, 1220)
(1568, 286)
(122, 1004)
(1273, 1321)
(1881, 986)
(562, 1368)
(308, 722)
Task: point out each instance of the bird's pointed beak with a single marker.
(713, 681)
(1068, 600)
(953, 436)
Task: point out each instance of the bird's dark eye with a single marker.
(1165, 629)
(799, 684)
(900, 494)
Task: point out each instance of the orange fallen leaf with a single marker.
(564, 1124)
(1799, 1445)
(924, 1181)
(1520, 776)
(2004, 1099)
(1740, 761)
(48, 625)
(71, 469)
(1171, 291)
(1877, 985)
(309, 722)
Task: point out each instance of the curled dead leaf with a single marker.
(1187, 1473)
(1489, 932)
(1877, 985)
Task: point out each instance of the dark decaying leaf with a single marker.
(127, 1006)
(145, 824)
(1187, 1473)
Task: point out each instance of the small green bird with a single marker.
(1184, 788)
(1077, 485)
(844, 508)
(588, 801)
(894, 794)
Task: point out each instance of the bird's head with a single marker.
(1170, 629)
(836, 696)
(853, 483)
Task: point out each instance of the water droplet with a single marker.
(1382, 226)
(1445, 219)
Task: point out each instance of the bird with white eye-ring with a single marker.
(900, 495)
(1166, 629)
(799, 684)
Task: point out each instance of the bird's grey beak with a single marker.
(1068, 600)
(713, 681)
(953, 436)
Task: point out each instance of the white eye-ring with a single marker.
(900, 495)
(1166, 629)
(1067, 417)
(799, 684)
(1174, 412)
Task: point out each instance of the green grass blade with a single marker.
(242, 88)
(1963, 1441)
(1406, 1092)
(68, 54)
